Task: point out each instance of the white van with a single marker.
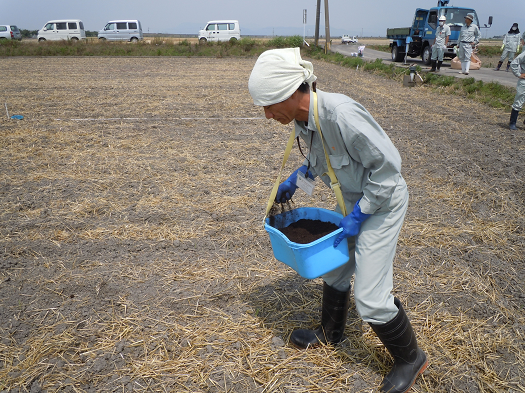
(122, 30)
(220, 30)
(64, 29)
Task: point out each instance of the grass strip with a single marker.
(154, 47)
(492, 93)
(483, 50)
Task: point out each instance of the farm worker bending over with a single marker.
(468, 39)
(518, 68)
(511, 45)
(368, 168)
(440, 43)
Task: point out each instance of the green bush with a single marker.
(439, 80)
(489, 50)
(285, 42)
(352, 62)
(247, 44)
(468, 81)
(277, 42)
(295, 41)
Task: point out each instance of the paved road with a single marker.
(484, 74)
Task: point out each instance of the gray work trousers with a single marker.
(465, 51)
(519, 99)
(372, 254)
(507, 53)
(437, 52)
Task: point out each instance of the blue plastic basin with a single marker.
(310, 260)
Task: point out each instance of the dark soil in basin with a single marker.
(306, 231)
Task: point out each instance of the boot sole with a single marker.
(421, 371)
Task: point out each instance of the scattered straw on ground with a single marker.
(133, 256)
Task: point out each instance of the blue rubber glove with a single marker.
(351, 224)
(287, 188)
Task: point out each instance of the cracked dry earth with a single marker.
(133, 255)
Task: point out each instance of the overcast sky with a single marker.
(272, 17)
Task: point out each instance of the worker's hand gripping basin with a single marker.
(310, 260)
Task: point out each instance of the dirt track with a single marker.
(133, 256)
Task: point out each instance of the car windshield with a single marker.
(456, 16)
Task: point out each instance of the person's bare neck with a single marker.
(303, 107)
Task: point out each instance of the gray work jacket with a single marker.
(363, 157)
(518, 65)
(469, 33)
(511, 42)
(441, 34)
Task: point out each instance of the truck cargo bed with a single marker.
(398, 32)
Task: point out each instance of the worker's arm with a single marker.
(476, 36)
(447, 35)
(368, 145)
(515, 66)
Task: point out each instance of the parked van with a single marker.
(122, 30)
(10, 32)
(63, 29)
(220, 30)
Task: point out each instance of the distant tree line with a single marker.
(33, 33)
(28, 33)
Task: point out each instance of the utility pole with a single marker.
(327, 27)
(317, 17)
(304, 26)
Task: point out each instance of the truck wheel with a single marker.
(396, 55)
(202, 40)
(426, 55)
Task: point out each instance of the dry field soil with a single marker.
(133, 256)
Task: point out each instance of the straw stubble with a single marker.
(134, 255)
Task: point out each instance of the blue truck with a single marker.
(417, 39)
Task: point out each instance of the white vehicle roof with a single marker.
(123, 20)
(64, 20)
(223, 21)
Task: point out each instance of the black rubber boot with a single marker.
(508, 66)
(498, 66)
(439, 65)
(333, 321)
(409, 361)
(513, 119)
(433, 69)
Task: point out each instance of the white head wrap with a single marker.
(277, 74)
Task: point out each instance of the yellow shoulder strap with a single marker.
(277, 181)
(334, 183)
